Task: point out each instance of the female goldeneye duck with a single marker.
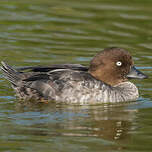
(105, 81)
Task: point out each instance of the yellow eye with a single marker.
(119, 63)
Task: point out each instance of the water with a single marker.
(35, 32)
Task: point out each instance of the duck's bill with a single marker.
(136, 74)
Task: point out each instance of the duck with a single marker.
(105, 80)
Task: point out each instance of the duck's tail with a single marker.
(10, 74)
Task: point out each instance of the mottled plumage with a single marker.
(75, 83)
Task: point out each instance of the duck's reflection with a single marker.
(110, 123)
(106, 121)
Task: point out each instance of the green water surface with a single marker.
(44, 32)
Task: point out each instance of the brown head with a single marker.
(111, 66)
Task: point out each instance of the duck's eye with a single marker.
(119, 63)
